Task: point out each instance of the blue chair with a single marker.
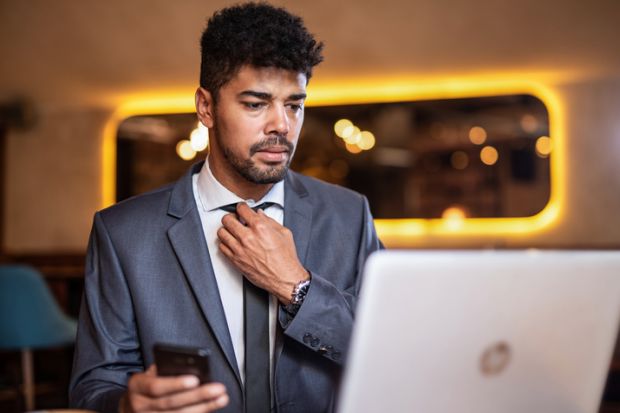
(30, 319)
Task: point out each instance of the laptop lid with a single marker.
(483, 331)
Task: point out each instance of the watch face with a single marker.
(495, 358)
(297, 298)
(300, 292)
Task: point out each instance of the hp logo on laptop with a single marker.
(495, 358)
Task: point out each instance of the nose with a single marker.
(279, 122)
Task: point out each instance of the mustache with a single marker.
(274, 140)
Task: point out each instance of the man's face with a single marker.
(255, 123)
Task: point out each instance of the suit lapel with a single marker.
(297, 218)
(297, 214)
(188, 242)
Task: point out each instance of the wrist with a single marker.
(286, 287)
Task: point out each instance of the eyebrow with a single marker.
(269, 96)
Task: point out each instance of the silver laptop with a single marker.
(484, 332)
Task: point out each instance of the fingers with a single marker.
(234, 225)
(244, 228)
(246, 213)
(227, 243)
(251, 216)
(209, 406)
(153, 386)
(211, 394)
(230, 235)
(148, 392)
(233, 250)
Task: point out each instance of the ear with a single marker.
(205, 108)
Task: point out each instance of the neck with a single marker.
(235, 183)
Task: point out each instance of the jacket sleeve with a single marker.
(107, 348)
(324, 321)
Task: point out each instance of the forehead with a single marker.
(270, 80)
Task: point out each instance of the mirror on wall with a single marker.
(478, 157)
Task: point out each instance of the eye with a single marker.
(296, 107)
(253, 105)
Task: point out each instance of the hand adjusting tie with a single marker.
(256, 336)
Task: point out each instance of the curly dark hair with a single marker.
(256, 34)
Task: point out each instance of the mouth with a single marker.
(274, 149)
(273, 154)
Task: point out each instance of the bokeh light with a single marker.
(341, 125)
(354, 137)
(367, 140)
(354, 149)
(348, 131)
(489, 155)
(453, 217)
(477, 135)
(529, 123)
(185, 150)
(199, 138)
(454, 212)
(544, 146)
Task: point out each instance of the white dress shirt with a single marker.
(210, 195)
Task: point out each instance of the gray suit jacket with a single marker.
(149, 279)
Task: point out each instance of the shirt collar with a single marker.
(213, 195)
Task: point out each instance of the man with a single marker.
(174, 266)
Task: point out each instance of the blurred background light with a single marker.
(454, 218)
(341, 125)
(529, 123)
(348, 130)
(199, 138)
(185, 150)
(489, 155)
(354, 149)
(367, 140)
(544, 146)
(477, 135)
(454, 213)
(354, 137)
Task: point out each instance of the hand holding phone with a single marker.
(148, 392)
(174, 360)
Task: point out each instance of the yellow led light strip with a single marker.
(394, 231)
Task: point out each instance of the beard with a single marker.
(249, 170)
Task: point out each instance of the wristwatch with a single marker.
(297, 297)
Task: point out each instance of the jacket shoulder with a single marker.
(144, 208)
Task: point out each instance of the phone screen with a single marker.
(174, 360)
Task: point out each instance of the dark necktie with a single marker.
(256, 329)
(232, 208)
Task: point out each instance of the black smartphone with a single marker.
(174, 360)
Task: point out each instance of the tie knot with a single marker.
(232, 208)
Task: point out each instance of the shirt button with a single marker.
(315, 342)
(307, 338)
(336, 355)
